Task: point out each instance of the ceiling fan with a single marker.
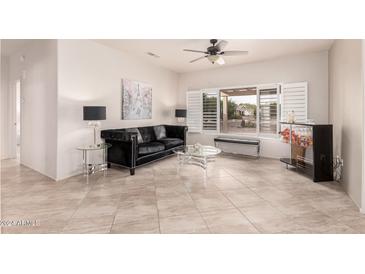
(215, 52)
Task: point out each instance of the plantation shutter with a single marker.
(210, 110)
(269, 108)
(194, 102)
(294, 97)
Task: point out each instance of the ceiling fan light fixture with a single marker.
(215, 52)
(213, 58)
(220, 61)
(216, 59)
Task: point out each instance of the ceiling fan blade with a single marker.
(220, 61)
(221, 44)
(192, 50)
(234, 52)
(197, 59)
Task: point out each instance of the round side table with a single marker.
(91, 168)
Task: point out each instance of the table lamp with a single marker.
(94, 114)
(180, 114)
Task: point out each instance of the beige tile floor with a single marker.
(238, 196)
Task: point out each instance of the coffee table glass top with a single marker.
(94, 147)
(198, 151)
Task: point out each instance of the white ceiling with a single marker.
(174, 58)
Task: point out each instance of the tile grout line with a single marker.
(244, 215)
(273, 206)
(78, 207)
(119, 206)
(220, 191)
(91, 187)
(234, 206)
(115, 212)
(196, 207)
(158, 211)
(261, 198)
(241, 212)
(269, 202)
(200, 214)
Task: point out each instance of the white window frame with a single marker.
(257, 134)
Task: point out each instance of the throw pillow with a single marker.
(160, 132)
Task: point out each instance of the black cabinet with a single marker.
(310, 149)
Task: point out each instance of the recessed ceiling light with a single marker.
(153, 54)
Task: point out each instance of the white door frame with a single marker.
(13, 119)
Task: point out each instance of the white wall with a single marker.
(312, 68)
(1, 107)
(363, 132)
(346, 111)
(91, 74)
(39, 107)
(4, 106)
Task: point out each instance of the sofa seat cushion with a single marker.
(171, 142)
(151, 147)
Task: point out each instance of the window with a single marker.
(268, 105)
(238, 110)
(254, 110)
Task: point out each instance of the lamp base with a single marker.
(180, 120)
(96, 126)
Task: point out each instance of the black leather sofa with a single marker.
(133, 147)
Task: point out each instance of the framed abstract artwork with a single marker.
(136, 100)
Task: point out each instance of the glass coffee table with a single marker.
(196, 155)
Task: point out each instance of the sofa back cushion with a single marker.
(160, 132)
(148, 134)
(136, 130)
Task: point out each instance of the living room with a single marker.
(60, 78)
(185, 137)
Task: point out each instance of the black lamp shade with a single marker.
(94, 113)
(180, 113)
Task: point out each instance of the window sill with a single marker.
(246, 135)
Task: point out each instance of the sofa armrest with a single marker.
(124, 147)
(176, 132)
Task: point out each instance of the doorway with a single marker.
(16, 128)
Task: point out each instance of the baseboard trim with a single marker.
(73, 174)
(39, 171)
